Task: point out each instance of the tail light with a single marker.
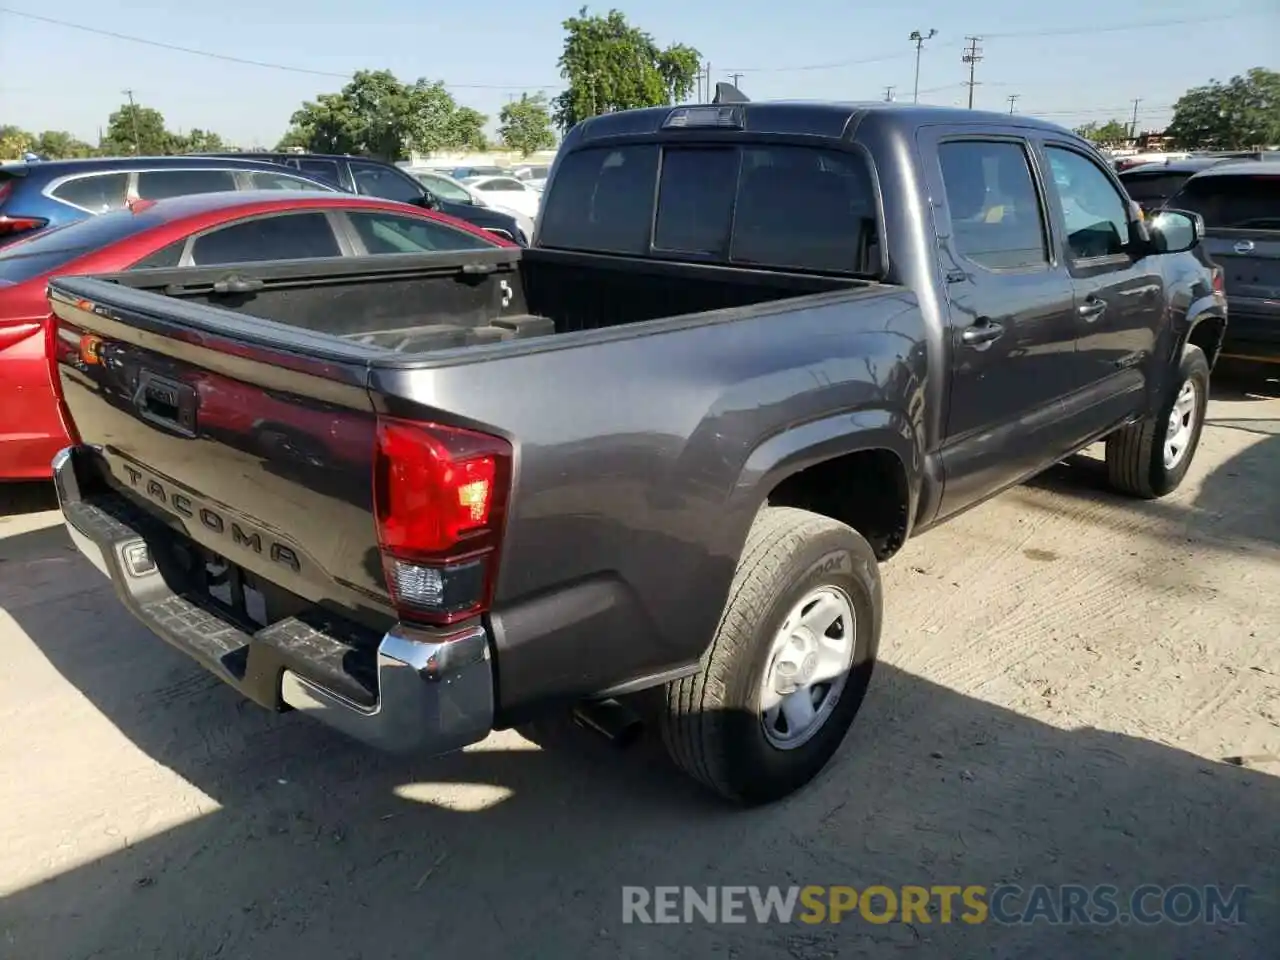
(55, 349)
(440, 497)
(14, 226)
(1219, 282)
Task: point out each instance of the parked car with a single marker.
(465, 173)
(535, 177)
(192, 231)
(1136, 159)
(508, 192)
(1152, 184)
(1240, 204)
(373, 178)
(649, 464)
(446, 188)
(50, 193)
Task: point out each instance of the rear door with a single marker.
(1242, 218)
(1013, 330)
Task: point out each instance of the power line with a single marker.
(246, 61)
(971, 56)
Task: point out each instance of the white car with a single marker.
(508, 193)
(447, 188)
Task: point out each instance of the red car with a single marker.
(198, 230)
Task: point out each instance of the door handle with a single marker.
(982, 332)
(1092, 309)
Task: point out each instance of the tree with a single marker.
(200, 141)
(526, 124)
(377, 115)
(60, 145)
(135, 129)
(1240, 114)
(1110, 132)
(611, 65)
(14, 142)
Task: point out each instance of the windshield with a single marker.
(1152, 189)
(1233, 202)
(50, 249)
(444, 188)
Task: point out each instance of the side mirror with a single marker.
(1175, 231)
(428, 201)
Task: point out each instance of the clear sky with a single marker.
(1072, 62)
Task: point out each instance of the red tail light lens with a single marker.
(440, 498)
(12, 226)
(54, 349)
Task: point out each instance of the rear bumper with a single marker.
(433, 691)
(1253, 331)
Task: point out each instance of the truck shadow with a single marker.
(284, 840)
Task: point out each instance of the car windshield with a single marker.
(52, 248)
(444, 188)
(1233, 202)
(1152, 189)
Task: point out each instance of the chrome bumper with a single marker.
(434, 690)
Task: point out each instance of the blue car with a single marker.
(37, 195)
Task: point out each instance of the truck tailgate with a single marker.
(257, 451)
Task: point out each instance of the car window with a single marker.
(1096, 216)
(444, 189)
(996, 218)
(1152, 189)
(389, 233)
(170, 256)
(326, 170)
(1233, 202)
(97, 193)
(373, 180)
(161, 184)
(294, 236)
(790, 207)
(281, 181)
(501, 184)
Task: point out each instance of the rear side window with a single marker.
(296, 236)
(778, 206)
(97, 194)
(162, 184)
(51, 249)
(1233, 202)
(326, 170)
(374, 180)
(281, 181)
(386, 233)
(996, 219)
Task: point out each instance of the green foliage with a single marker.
(14, 142)
(135, 129)
(377, 115)
(60, 145)
(526, 124)
(611, 65)
(1242, 113)
(200, 141)
(1112, 131)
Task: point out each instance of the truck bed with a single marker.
(416, 304)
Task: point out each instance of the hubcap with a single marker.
(808, 667)
(1182, 421)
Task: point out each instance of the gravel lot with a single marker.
(1064, 673)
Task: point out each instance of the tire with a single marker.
(711, 722)
(1136, 462)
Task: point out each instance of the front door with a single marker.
(1119, 299)
(1011, 306)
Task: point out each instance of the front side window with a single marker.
(1095, 214)
(162, 184)
(326, 170)
(996, 219)
(296, 236)
(444, 189)
(387, 233)
(97, 193)
(385, 183)
(281, 181)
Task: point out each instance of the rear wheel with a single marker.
(1150, 458)
(780, 684)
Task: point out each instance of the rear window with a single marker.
(51, 249)
(1234, 202)
(96, 193)
(781, 206)
(1151, 189)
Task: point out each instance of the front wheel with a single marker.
(1150, 458)
(780, 684)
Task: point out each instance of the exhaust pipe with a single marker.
(615, 721)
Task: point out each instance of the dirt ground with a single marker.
(1064, 675)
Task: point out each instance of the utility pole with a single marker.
(1133, 129)
(736, 77)
(971, 56)
(919, 39)
(1012, 98)
(133, 113)
(888, 94)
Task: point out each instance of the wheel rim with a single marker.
(808, 667)
(1182, 422)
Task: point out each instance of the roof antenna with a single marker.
(728, 93)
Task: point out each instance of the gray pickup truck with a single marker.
(647, 466)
